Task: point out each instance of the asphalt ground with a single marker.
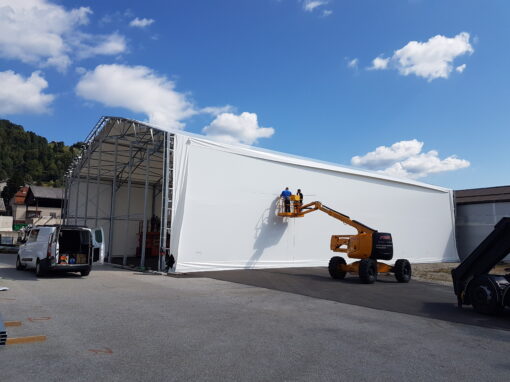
(416, 298)
(120, 325)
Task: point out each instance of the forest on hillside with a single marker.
(28, 158)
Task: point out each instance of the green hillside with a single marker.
(26, 157)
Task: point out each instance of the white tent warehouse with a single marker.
(216, 204)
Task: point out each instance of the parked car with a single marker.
(60, 248)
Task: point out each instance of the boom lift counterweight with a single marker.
(368, 245)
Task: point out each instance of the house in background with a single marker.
(37, 205)
(18, 206)
(7, 236)
(3, 211)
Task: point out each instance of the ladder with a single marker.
(166, 200)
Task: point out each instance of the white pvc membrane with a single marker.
(225, 216)
(222, 201)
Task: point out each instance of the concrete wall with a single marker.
(18, 211)
(475, 221)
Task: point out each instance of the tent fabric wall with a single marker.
(224, 199)
(224, 214)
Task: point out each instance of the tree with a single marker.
(13, 185)
(32, 157)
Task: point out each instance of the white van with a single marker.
(60, 248)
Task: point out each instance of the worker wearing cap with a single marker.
(286, 194)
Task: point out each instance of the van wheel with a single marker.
(38, 269)
(85, 273)
(19, 266)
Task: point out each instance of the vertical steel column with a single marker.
(124, 258)
(112, 203)
(87, 191)
(145, 192)
(153, 200)
(63, 208)
(98, 180)
(77, 198)
(164, 200)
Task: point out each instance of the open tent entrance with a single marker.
(122, 183)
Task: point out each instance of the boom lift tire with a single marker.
(402, 270)
(367, 271)
(335, 266)
(484, 296)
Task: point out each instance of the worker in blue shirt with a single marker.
(286, 194)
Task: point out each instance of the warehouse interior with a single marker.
(122, 183)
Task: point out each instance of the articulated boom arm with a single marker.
(314, 206)
(368, 245)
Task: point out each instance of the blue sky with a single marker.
(297, 76)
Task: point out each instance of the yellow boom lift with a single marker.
(368, 245)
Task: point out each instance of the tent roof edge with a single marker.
(272, 155)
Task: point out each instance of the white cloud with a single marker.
(141, 23)
(217, 110)
(116, 17)
(353, 64)
(327, 12)
(379, 63)
(232, 128)
(431, 60)
(42, 33)
(311, 5)
(460, 68)
(104, 45)
(23, 95)
(384, 156)
(139, 89)
(405, 159)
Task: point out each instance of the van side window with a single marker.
(99, 236)
(33, 236)
(85, 238)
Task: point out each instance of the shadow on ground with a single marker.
(8, 270)
(415, 298)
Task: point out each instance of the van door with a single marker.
(28, 254)
(98, 245)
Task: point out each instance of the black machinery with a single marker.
(473, 285)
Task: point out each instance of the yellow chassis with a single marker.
(354, 267)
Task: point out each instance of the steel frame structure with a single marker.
(121, 152)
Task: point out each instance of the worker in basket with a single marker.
(298, 201)
(285, 195)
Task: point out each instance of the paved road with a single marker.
(118, 325)
(416, 298)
